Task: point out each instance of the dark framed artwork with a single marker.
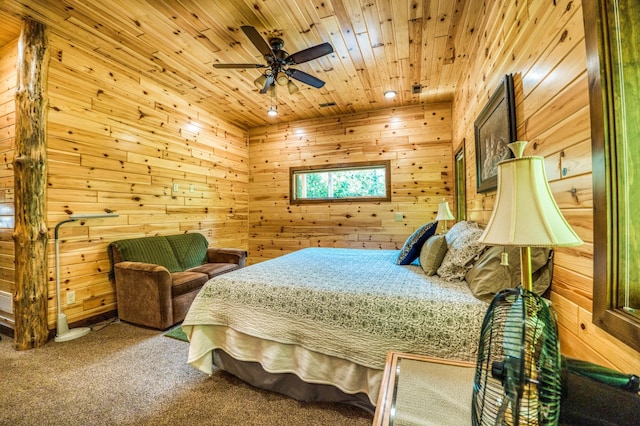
(495, 129)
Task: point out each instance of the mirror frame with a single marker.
(599, 16)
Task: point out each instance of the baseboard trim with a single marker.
(7, 331)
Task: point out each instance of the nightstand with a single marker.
(421, 390)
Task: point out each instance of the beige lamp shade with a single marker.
(259, 82)
(444, 213)
(525, 212)
(292, 87)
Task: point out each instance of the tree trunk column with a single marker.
(30, 174)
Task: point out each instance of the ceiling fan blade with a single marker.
(268, 82)
(254, 36)
(305, 78)
(238, 65)
(309, 54)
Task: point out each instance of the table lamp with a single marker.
(525, 213)
(444, 213)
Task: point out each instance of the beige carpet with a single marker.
(126, 375)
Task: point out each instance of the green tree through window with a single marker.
(368, 181)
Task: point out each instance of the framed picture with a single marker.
(495, 128)
(460, 184)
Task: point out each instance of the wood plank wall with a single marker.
(8, 81)
(417, 141)
(117, 143)
(120, 143)
(543, 46)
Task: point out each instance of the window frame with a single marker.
(460, 173)
(294, 171)
(601, 21)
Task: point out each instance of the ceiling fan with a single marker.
(279, 61)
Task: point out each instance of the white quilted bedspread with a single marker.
(348, 303)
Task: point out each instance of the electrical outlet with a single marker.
(71, 297)
(175, 187)
(399, 217)
(192, 188)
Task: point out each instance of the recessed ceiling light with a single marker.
(390, 94)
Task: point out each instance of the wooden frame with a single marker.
(385, 406)
(495, 128)
(614, 118)
(332, 167)
(460, 174)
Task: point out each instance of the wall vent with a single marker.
(6, 302)
(416, 89)
(327, 104)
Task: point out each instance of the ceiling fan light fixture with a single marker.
(282, 79)
(390, 94)
(259, 82)
(292, 87)
(271, 91)
(278, 61)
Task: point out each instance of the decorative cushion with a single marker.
(487, 276)
(432, 253)
(154, 250)
(189, 249)
(411, 248)
(462, 248)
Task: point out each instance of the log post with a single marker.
(30, 179)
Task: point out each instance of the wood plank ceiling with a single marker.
(379, 45)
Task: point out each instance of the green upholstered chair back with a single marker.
(189, 249)
(155, 250)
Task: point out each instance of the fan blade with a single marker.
(269, 81)
(238, 65)
(309, 54)
(254, 36)
(305, 78)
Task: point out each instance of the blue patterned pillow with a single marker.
(411, 249)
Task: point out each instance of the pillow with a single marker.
(411, 248)
(462, 248)
(432, 253)
(487, 277)
(154, 250)
(189, 249)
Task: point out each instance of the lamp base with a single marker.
(74, 333)
(64, 334)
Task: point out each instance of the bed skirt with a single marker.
(288, 383)
(288, 369)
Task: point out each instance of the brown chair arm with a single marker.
(143, 294)
(227, 255)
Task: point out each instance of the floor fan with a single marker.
(518, 370)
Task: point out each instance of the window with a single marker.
(341, 182)
(614, 82)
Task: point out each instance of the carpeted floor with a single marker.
(126, 375)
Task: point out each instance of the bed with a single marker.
(317, 324)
